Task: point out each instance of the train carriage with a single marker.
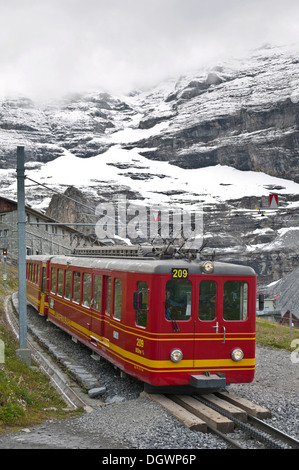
(168, 322)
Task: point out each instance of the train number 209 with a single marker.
(177, 273)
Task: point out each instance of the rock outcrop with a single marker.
(245, 117)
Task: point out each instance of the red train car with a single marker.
(169, 323)
(37, 283)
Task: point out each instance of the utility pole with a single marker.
(4, 274)
(5, 258)
(23, 352)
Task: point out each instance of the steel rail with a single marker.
(234, 444)
(247, 428)
(291, 441)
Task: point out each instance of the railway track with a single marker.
(61, 383)
(223, 414)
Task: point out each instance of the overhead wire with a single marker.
(92, 209)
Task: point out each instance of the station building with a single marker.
(44, 235)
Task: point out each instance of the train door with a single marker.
(43, 289)
(106, 307)
(238, 326)
(96, 309)
(222, 323)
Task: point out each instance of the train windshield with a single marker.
(178, 300)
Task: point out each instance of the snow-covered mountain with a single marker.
(223, 138)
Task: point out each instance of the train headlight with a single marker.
(176, 355)
(207, 267)
(237, 354)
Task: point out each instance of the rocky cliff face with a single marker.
(235, 231)
(67, 210)
(241, 113)
(77, 124)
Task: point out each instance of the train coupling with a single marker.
(208, 381)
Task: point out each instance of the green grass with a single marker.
(26, 394)
(275, 335)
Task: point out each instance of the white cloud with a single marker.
(50, 47)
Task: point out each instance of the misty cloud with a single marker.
(51, 47)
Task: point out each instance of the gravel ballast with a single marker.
(124, 419)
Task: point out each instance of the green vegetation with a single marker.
(275, 335)
(26, 395)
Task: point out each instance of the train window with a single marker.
(37, 274)
(207, 300)
(235, 300)
(60, 282)
(117, 298)
(108, 295)
(53, 280)
(141, 314)
(76, 287)
(86, 290)
(68, 283)
(97, 294)
(178, 300)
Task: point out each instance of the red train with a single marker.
(176, 325)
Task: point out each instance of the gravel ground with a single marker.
(123, 419)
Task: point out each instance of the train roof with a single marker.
(149, 265)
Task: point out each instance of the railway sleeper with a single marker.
(224, 405)
(214, 419)
(190, 420)
(251, 408)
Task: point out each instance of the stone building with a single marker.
(41, 236)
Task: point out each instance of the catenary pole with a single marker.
(23, 352)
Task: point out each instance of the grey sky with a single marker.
(51, 47)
